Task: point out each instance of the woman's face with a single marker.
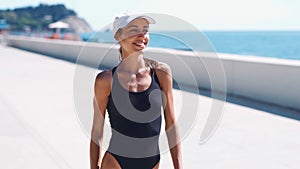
(134, 37)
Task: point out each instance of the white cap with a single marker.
(126, 18)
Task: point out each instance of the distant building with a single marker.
(3, 26)
(3, 31)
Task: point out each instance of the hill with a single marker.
(38, 18)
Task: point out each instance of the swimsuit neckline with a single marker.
(132, 92)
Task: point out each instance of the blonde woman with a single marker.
(133, 93)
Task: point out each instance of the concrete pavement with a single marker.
(40, 128)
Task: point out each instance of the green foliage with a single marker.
(37, 18)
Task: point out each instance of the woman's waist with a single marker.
(134, 147)
(137, 130)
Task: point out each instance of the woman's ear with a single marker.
(117, 35)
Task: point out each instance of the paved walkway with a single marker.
(39, 127)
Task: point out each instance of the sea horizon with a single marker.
(282, 44)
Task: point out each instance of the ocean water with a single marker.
(277, 44)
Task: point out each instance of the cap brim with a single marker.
(149, 19)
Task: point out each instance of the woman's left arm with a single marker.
(165, 77)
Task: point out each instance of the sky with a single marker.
(203, 14)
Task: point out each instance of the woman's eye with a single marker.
(137, 31)
(134, 30)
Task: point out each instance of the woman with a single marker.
(129, 94)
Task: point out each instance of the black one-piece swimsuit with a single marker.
(135, 119)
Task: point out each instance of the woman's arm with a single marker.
(165, 77)
(102, 89)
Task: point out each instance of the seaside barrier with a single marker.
(266, 80)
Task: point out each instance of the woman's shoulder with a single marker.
(159, 67)
(103, 80)
(163, 73)
(104, 75)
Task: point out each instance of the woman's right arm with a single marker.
(101, 89)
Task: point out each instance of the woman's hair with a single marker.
(120, 50)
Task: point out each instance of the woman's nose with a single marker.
(142, 34)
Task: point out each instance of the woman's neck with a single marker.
(133, 63)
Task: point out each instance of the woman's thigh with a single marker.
(109, 162)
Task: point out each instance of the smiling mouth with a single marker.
(140, 44)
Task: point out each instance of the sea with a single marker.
(276, 44)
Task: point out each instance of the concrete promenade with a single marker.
(40, 129)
